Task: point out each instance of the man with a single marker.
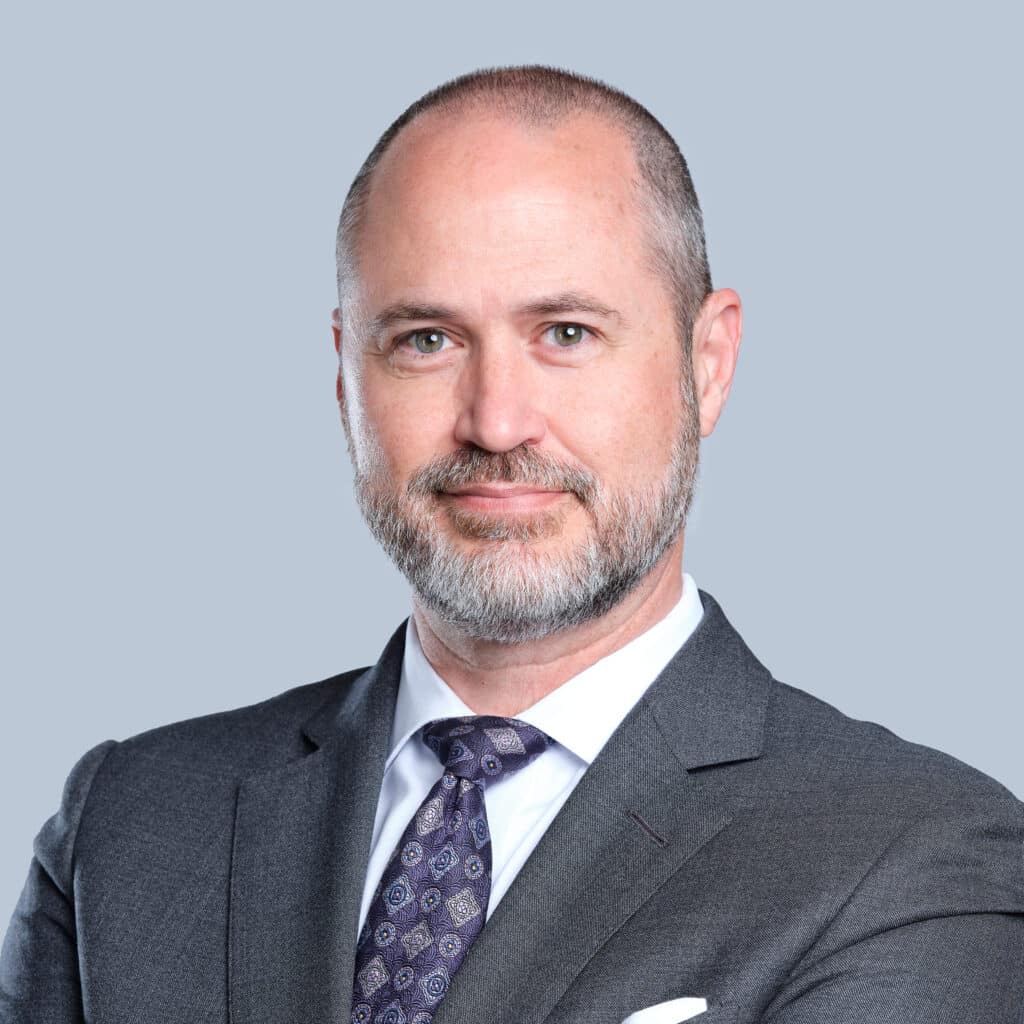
(567, 791)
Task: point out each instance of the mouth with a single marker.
(503, 498)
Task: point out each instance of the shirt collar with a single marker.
(608, 689)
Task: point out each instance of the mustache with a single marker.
(520, 465)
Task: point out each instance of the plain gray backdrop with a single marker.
(179, 535)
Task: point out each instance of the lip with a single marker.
(503, 498)
(498, 490)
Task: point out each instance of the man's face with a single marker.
(514, 390)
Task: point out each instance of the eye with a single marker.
(424, 342)
(566, 335)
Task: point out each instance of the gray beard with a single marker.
(506, 591)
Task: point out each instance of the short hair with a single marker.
(540, 96)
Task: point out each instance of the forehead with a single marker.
(480, 205)
(495, 148)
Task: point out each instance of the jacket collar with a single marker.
(711, 699)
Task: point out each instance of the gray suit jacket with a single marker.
(736, 839)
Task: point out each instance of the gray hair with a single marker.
(541, 96)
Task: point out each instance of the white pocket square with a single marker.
(673, 1012)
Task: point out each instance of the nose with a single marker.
(499, 402)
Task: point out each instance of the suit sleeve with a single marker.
(933, 934)
(39, 977)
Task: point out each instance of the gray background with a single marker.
(178, 531)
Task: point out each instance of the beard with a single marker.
(507, 589)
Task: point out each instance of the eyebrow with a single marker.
(398, 312)
(548, 305)
(568, 302)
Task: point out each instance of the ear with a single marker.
(336, 330)
(717, 332)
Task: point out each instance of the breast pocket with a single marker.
(675, 1011)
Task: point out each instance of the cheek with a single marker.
(624, 423)
(407, 423)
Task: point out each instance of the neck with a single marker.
(505, 679)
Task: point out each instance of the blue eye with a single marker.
(426, 341)
(567, 335)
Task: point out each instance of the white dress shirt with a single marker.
(579, 716)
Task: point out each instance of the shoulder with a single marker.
(812, 759)
(921, 828)
(196, 762)
(861, 764)
(228, 745)
(233, 743)
(898, 834)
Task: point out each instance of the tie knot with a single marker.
(482, 748)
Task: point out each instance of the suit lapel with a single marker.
(636, 816)
(302, 840)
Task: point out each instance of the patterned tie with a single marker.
(432, 898)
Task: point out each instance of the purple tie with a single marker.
(432, 898)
